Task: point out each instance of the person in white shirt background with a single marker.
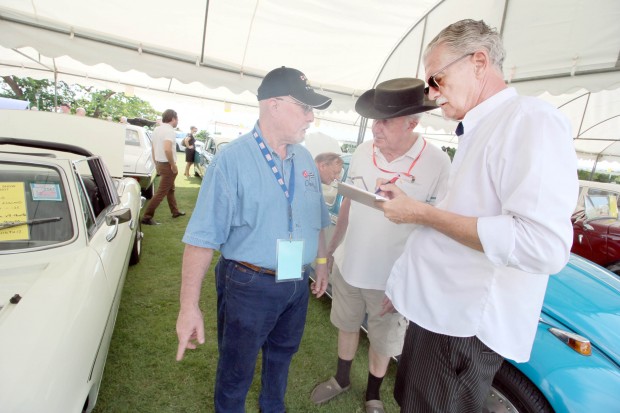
(372, 243)
(472, 278)
(165, 157)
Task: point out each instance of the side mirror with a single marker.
(118, 217)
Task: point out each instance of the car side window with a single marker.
(210, 147)
(97, 191)
(87, 209)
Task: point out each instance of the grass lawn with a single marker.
(141, 373)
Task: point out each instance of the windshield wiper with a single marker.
(12, 224)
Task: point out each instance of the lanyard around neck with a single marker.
(289, 192)
(408, 173)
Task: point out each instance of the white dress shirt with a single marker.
(164, 132)
(372, 242)
(516, 170)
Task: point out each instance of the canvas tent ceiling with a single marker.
(558, 48)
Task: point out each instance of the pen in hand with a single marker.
(391, 181)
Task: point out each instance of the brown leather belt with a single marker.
(256, 268)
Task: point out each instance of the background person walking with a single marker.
(190, 149)
(165, 156)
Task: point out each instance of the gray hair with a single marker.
(416, 117)
(328, 158)
(469, 36)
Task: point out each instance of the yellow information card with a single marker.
(13, 209)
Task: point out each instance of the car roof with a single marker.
(218, 139)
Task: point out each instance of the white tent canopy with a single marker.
(558, 49)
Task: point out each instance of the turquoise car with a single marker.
(575, 361)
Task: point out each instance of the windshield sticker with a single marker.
(45, 192)
(13, 212)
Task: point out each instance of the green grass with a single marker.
(141, 373)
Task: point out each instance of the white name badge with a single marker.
(290, 260)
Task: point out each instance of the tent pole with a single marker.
(402, 39)
(583, 115)
(362, 131)
(594, 167)
(55, 85)
(204, 33)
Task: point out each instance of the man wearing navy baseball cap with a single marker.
(285, 81)
(262, 207)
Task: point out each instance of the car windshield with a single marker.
(34, 210)
(601, 205)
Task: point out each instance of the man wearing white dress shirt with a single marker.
(472, 278)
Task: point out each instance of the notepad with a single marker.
(359, 195)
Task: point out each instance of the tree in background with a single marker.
(202, 136)
(40, 93)
(98, 103)
(607, 177)
(348, 147)
(450, 151)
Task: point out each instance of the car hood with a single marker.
(586, 299)
(43, 279)
(45, 336)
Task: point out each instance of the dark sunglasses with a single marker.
(432, 82)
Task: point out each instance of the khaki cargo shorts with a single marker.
(349, 306)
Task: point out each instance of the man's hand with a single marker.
(174, 168)
(388, 190)
(190, 330)
(401, 209)
(387, 307)
(320, 285)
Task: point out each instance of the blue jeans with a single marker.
(256, 313)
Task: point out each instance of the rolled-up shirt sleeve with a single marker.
(536, 183)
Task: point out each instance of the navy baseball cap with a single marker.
(286, 81)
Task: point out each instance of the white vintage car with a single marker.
(69, 227)
(138, 160)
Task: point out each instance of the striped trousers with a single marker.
(443, 374)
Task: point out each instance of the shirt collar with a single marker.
(412, 152)
(290, 149)
(473, 117)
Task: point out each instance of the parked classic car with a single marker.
(596, 229)
(69, 227)
(575, 361)
(138, 161)
(205, 154)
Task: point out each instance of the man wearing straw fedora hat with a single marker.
(365, 244)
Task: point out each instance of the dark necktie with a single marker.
(459, 129)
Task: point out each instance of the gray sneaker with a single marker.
(374, 406)
(327, 390)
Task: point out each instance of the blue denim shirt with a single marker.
(241, 209)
